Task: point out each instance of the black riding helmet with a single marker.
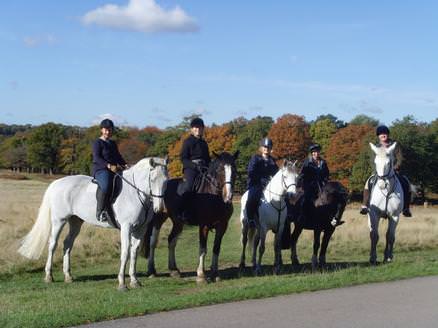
(107, 124)
(314, 147)
(382, 129)
(197, 121)
(266, 142)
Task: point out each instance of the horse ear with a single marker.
(391, 148)
(374, 148)
(236, 154)
(166, 160)
(151, 162)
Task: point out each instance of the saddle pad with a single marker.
(92, 187)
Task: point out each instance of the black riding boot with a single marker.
(184, 207)
(101, 212)
(365, 202)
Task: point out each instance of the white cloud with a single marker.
(35, 41)
(143, 16)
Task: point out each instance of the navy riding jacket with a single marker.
(105, 152)
(260, 170)
(194, 149)
(312, 173)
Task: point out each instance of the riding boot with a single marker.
(365, 202)
(406, 199)
(101, 212)
(184, 207)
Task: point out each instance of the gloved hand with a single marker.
(112, 168)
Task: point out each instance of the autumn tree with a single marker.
(290, 136)
(321, 132)
(344, 149)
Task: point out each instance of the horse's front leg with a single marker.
(172, 239)
(135, 245)
(390, 239)
(316, 244)
(203, 235)
(324, 245)
(220, 231)
(152, 246)
(125, 232)
(294, 240)
(244, 241)
(373, 224)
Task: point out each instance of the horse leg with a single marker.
(220, 231)
(293, 248)
(244, 240)
(255, 245)
(277, 250)
(152, 246)
(373, 224)
(172, 239)
(75, 225)
(135, 245)
(124, 250)
(316, 244)
(53, 242)
(259, 269)
(203, 235)
(390, 239)
(325, 241)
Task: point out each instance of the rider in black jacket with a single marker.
(261, 169)
(194, 157)
(106, 162)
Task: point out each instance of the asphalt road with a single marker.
(399, 304)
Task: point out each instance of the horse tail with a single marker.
(35, 241)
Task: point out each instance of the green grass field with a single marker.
(26, 301)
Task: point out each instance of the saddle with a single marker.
(117, 188)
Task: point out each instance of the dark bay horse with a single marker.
(325, 215)
(210, 208)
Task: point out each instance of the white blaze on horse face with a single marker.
(228, 186)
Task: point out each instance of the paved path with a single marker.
(399, 304)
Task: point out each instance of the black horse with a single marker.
(210, 208)
(324, 216)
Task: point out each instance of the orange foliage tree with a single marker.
(290, 136)
(132, 150)
(219, 138)
(344, 149)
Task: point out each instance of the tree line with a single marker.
(55, 148)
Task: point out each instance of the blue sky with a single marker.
(151, 62)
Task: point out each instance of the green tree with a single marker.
(43, 147)
(321, 132)
(337, 122)
(362, 119)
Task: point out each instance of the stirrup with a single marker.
(407, 213)
(103, 217)
(364, 210)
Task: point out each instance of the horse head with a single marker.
(383, 160)
(223, 168)
(290, 176)
(153, 175)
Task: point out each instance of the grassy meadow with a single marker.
(26, 301)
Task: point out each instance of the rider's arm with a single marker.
(98, 160)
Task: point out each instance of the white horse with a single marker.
(386, 201)
(72, 199)
(272, 213)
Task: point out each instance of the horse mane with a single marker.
(332, 190)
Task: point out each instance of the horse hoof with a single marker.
(295, 262)
(216, 279)
(48, 279)
(135, 284)
(373, 262)
(201, 280)
(175, 274)
(122, 288)
(68, 280)
(152, 275)
(388, 260)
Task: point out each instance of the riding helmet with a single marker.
(314, 147)
(198, 122)
(382, 129)
(266, 142)
(107, 124)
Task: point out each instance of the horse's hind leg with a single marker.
(57, 226)
(316, 244)
(172, 239)
(293, 248)
(244, 240)
(390, 239)
(75, 225)
(324, 245)
(259, 269)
